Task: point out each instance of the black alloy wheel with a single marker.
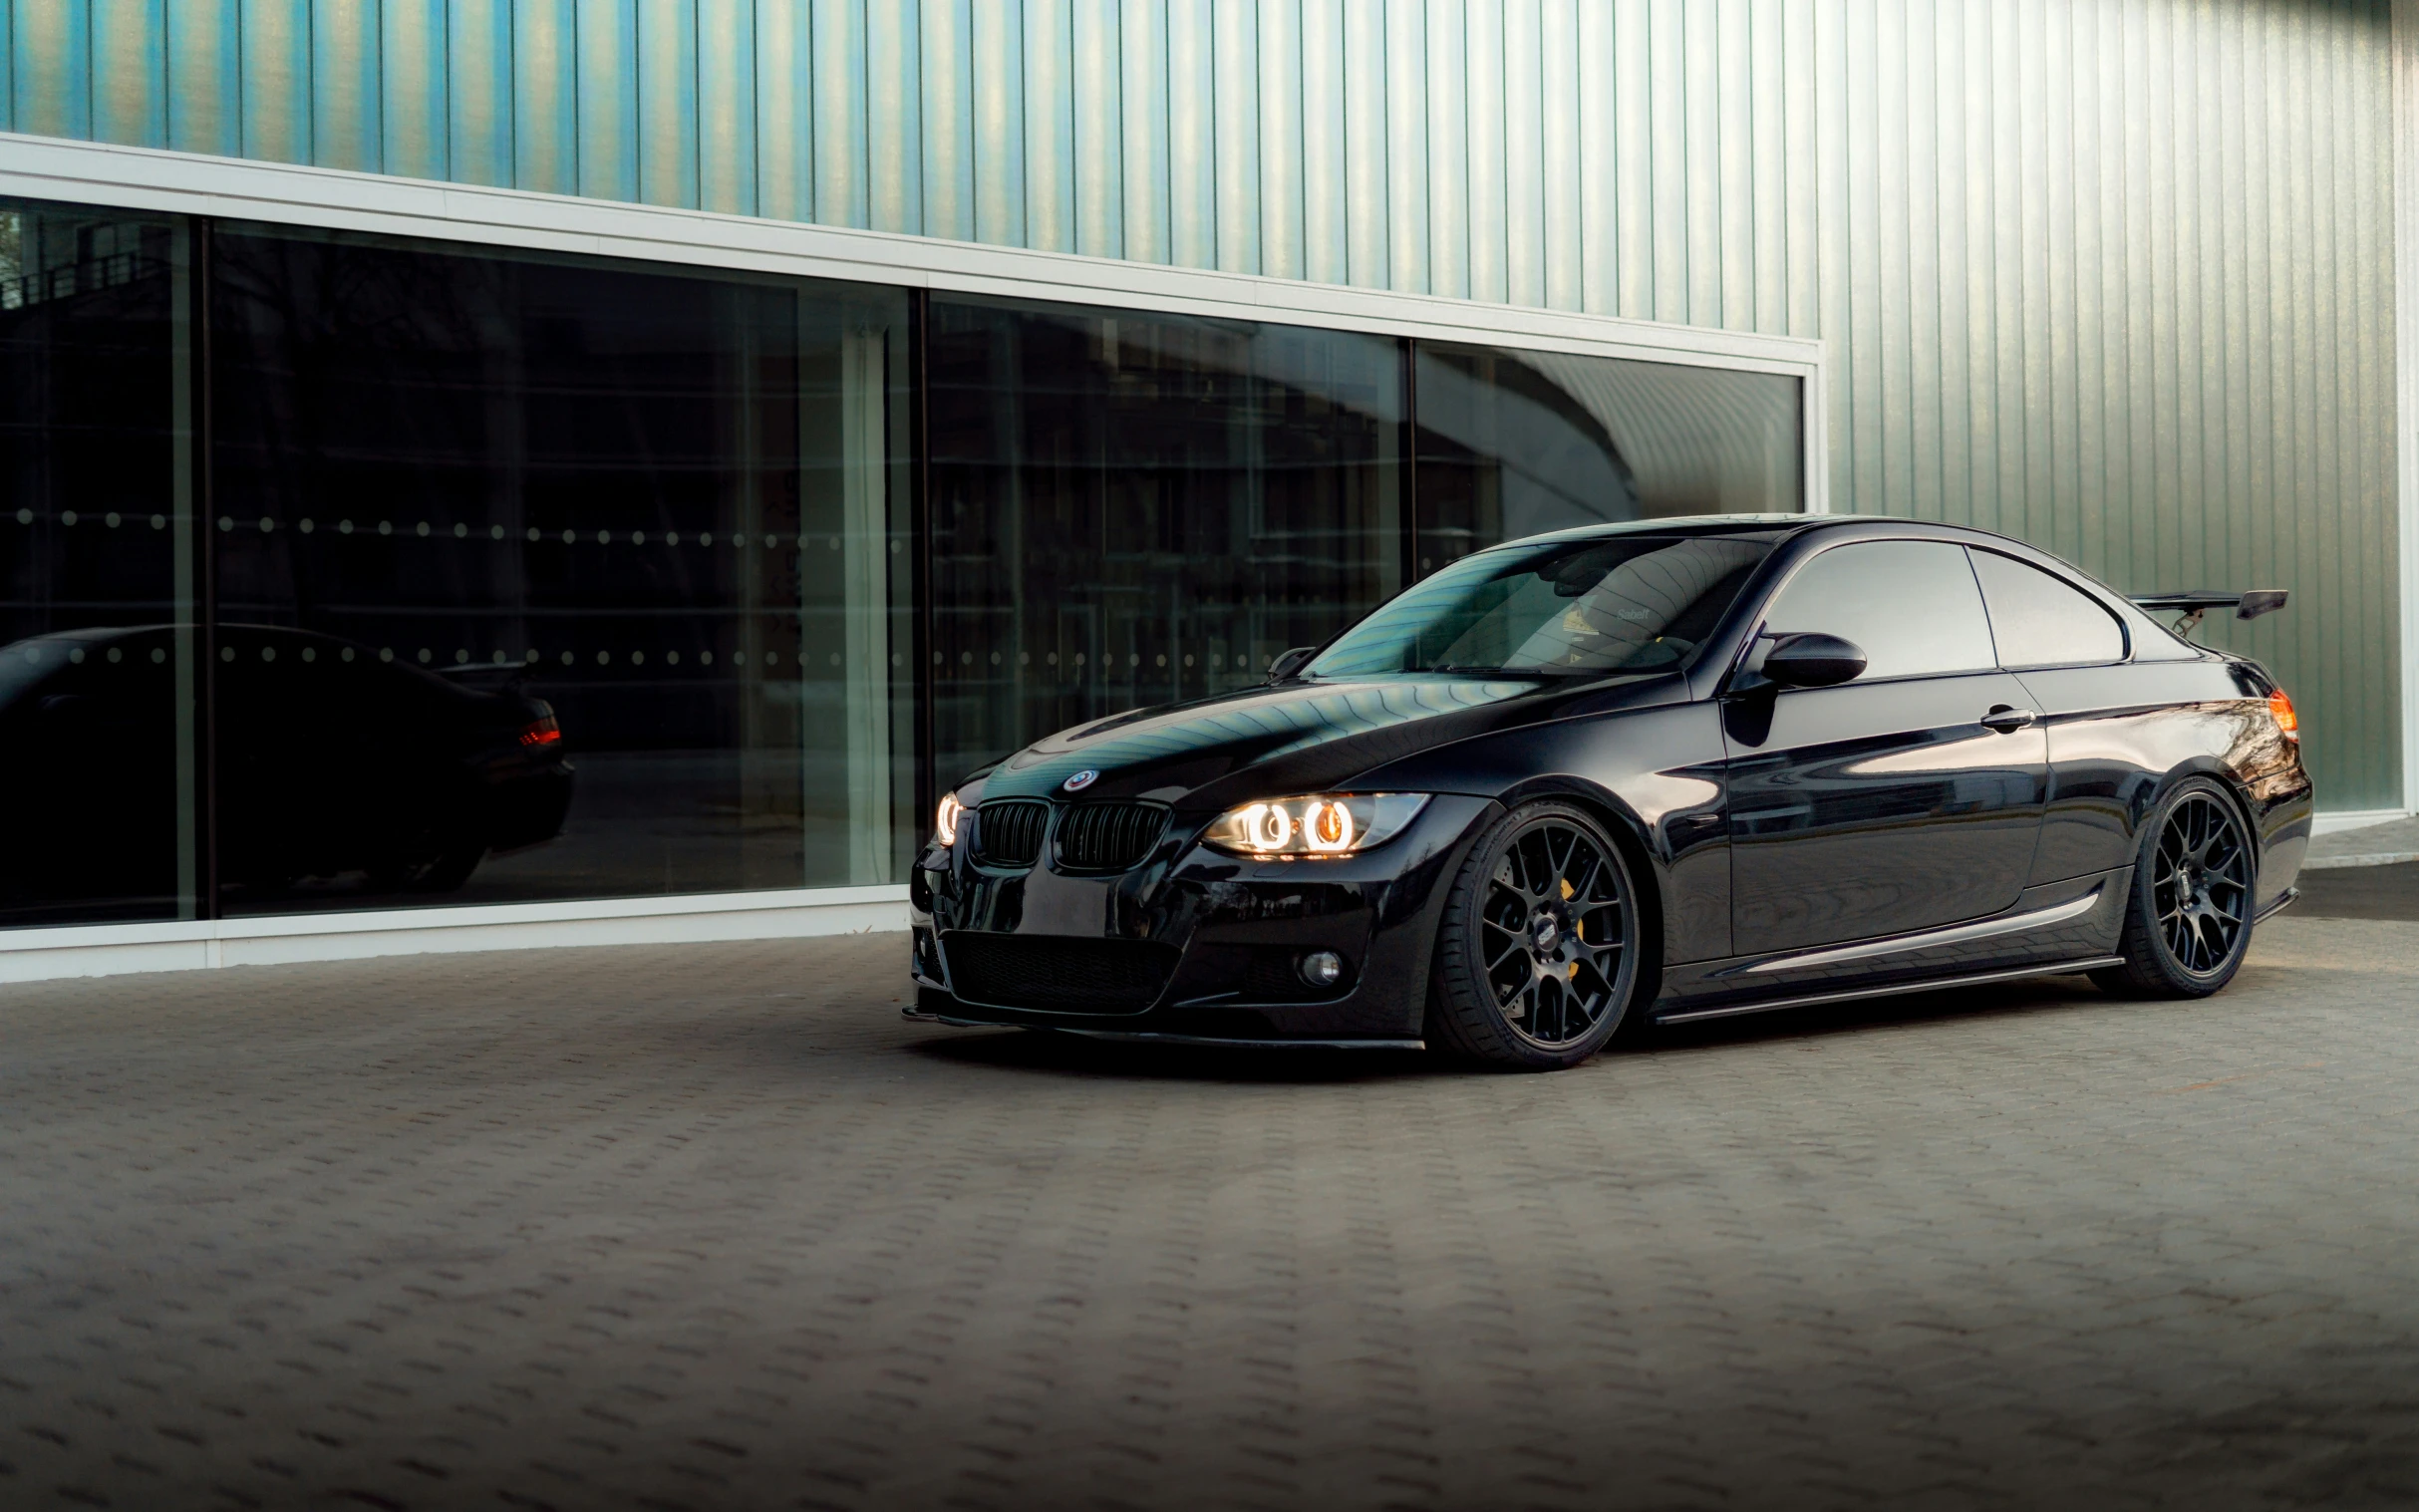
(1537, 954)
(2188, 919)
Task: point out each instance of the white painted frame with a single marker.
(97, 950)
(185, 183)
(2405, 63)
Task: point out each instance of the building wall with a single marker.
(2115, 277)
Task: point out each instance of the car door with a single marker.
(2104, 710)
(1907, 797)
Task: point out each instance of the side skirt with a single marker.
(1931, 985)
(1148, 1037)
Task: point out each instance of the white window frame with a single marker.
(187, 184)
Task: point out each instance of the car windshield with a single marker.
(1632, 603)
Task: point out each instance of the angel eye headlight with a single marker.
(945, 820)
(1322, 825)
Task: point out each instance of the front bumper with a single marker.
(1217, 937)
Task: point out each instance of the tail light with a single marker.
(2280, 709)
(542, 734)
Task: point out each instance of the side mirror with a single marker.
(1290, 663)
(1809, 660)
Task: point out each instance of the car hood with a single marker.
(1300, 736)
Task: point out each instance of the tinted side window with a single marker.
(1911, 606)
(2042, 622)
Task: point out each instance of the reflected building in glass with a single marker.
(1131, 510)
(347, 571)
(1514, 444)
(99, 739)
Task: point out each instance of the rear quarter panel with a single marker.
(2120, 736)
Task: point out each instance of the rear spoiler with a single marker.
(2250, 604)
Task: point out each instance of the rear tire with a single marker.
(1538, 956)
(2188, 916)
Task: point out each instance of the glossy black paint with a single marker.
(1800, 842)
(1875, 808)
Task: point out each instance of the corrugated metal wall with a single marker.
(2115, 276)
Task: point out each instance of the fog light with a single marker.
(1322, 968)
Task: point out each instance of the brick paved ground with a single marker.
(709, 1227)
(2361, 892)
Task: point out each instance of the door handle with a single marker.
(2007, 719)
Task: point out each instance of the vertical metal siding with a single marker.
(1408, 161)
(1444, 82)
(726, 116)
(1233, 81)
(478, 91)
(411, 88)
(1361, 80)
(1281, 154)
(1523, 184)
(842, 121)
(203, 48)
(1142, 102)
(51, 67)
(662, 114)
(948, 87)
(894, 140)
(1558, 158)
(2114, 275)
(1099, 164)
(348, 109)
(1048, 146)
(545, 96)
(1615, 218)
(784, 121)
(1192, 146)
(276, 78)
(130, 77)
(999, 124)
(1488, 121)
(1326, 223)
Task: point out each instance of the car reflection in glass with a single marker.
(331, 763)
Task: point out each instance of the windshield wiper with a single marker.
(1514, 671)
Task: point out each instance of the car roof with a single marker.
(1770, 528)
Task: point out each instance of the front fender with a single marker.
(1656, 772)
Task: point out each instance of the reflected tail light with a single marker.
(2280, 709)
(542, 734)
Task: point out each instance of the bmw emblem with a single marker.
(1082, 781)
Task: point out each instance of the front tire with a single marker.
(2188, 916)
(1538, 956)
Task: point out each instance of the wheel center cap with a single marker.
(1545, 933)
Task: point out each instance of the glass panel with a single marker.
(2042, 622)
(576, 578)
(1636, 603)
(1911, 606)
(1513, 444)
(96, 665)
(1129, 509)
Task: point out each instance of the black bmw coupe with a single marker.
(1665, 770)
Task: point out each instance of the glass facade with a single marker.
(351, 572)
(665, 511)
(1131, 510)
(97, 694)
(1514, 444)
